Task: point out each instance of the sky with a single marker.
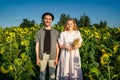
(12, 12)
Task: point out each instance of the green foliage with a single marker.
(84, 21)
(101, 24)
(62, 19)
(27, 24)
(18, 53)
(100, 53)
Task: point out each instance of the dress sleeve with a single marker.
(61, 39)
(79, 36)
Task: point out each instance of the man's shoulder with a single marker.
(40, 30)
(55, 30)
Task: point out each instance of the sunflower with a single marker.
(105, 58)
(75, 42)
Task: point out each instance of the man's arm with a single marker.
(37, 54)
(57, 53)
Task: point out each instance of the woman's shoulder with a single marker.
(77, 31)
(63, 33)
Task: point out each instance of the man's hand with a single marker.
(38, 62)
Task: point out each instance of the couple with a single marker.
(48, 44)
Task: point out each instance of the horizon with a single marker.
(13, 12)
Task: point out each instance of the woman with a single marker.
(69, 66)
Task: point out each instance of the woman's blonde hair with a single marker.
(75, 25)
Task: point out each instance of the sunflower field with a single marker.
(100, 53)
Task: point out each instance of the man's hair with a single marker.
(48, 13)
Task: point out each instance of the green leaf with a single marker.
(114, 76)
(32, 72)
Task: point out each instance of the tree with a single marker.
(96, 25)
(84, 21)
(63, 19)
(77, 22)
(103, 24)
(41, 24)
(27, 23)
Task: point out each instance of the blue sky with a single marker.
(12, 12)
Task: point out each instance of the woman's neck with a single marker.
(70, 31)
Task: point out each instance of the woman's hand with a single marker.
(69, 48)
(77, 46)
(55, 61)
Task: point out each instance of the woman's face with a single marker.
(70, 25)
(47, 20)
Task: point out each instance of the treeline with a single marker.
(83, 21)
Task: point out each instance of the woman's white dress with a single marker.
(69, 65)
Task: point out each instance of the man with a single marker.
(46, 47)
